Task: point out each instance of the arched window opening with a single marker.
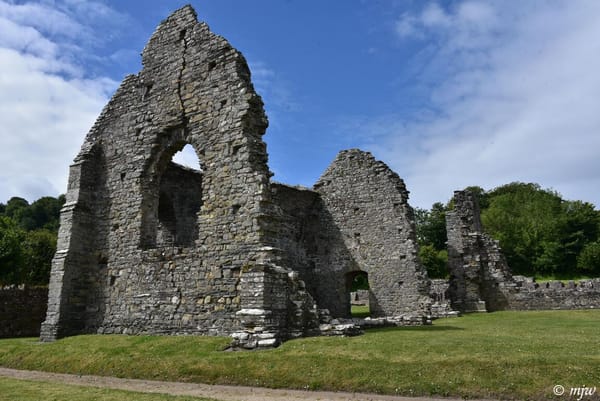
(357, 283)
(174, 202)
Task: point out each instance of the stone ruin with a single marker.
(477, 267)
(149, 246)
(480, 279)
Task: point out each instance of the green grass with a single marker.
(360, 311)
(25, 390)
(565, 278)
(514, 355)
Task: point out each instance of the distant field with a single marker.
(24, 390)
(515, 355)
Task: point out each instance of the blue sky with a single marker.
(448, 93)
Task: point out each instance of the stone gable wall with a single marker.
(370, 227)
(114, 272)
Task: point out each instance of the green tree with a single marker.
(435, 261)
(579, 226)
(43, 213)
(11, 253)
(431, 235)
(588, 260)
(15, 207)
(38, 250)
(431, 226)
(540, 233)
(28, 239)
(525, 219)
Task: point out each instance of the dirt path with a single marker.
(224, 393)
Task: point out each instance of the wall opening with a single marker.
(174, 201)
(357, 284)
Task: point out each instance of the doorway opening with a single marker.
(357, 283)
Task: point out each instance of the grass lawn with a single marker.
(25, 390)
(515, 355)
(360, 311)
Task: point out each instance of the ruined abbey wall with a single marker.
(478, 270)
(480, 279)
(119, 267)
(147, 246)
(372, 230)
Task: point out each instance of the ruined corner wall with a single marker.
(128, 261)
(366, 224)
(480, 278)
(22, 310)
(479, 274)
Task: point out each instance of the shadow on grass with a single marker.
(361, 315)
(413, 328)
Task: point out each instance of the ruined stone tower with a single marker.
(479, 274)
(148, 246)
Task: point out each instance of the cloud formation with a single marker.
(513, 96)
(47, 103)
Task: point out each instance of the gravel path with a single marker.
(218, 392)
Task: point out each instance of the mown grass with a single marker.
(513, 355)
(25, 390)
(360, 311)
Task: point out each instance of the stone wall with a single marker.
(478, 270)
(529, 295)
(356, 220)
(368, 226)
(359, 297)
(441, 306)
(299, 233)
(120, 268)
(178, 205)
(22, 311)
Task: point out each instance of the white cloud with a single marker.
(518, 101)
(434, 16)
(46, 103)
(187, 157)
(406, 26)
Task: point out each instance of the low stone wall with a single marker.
(441, 303)
(529, 295)
(359, 297)
(22, 311)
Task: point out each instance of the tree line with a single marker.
(28, 234)
(541, 234)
